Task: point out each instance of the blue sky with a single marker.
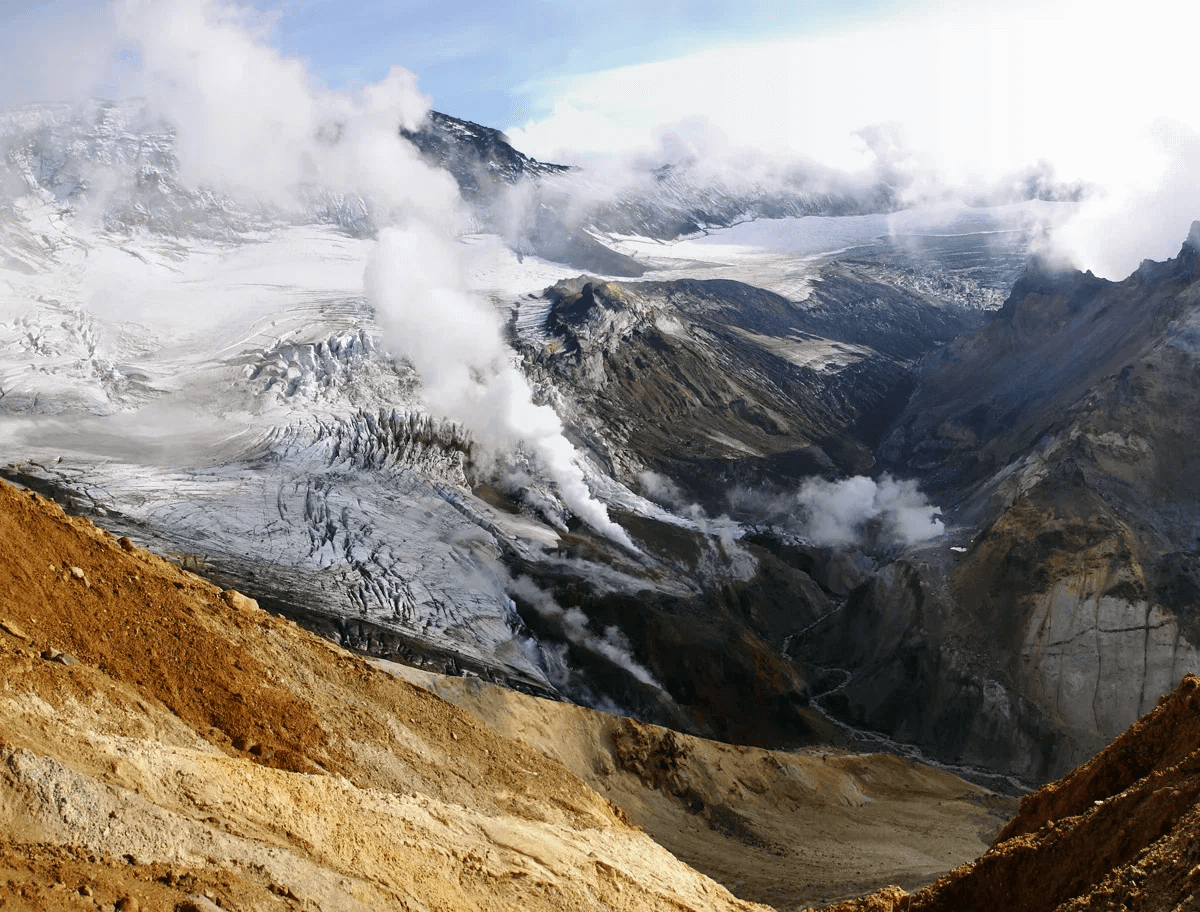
(479, 60)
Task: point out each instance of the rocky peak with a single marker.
(1049, 280)
(1184, 268)
(480, 158)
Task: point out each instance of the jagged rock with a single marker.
(1063, 432)
(646, 370)
(14, 630)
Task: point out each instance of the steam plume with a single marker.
(454, 341)
(839, 513)
(251, 123)
(613, 645)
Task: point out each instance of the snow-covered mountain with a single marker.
(215, 379)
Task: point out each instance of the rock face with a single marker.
(480, 158)
(1116, 833)
(500, 183)
(1062, 437)
(716, 383)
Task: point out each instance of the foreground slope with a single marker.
(782, 828)
(164, 746)
(1115, 833)
(168, 745)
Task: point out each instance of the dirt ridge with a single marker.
(1118, 832)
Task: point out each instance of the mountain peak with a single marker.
(469, 150)
(1184, 267)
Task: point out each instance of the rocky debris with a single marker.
(1117, 832)
(14, 630)
(239, 602)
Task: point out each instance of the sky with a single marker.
(483, 61)
(960, 95)
(490, 62)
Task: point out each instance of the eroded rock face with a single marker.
(716, 383)
(1063, 432)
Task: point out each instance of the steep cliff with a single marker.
(1063, 436)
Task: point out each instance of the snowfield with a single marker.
(216, 383)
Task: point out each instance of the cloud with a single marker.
(60, 50)
(1145, 217)
(938, 100)
(849, 512)
(254, 124)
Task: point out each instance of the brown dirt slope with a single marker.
(167, 746)
(781, 828)
(1120, 832)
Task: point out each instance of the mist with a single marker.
(919, 105)
(573, 624)
(977, 103)
(454, 340)
(256, 127)
(852, 512)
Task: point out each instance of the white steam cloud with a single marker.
(727, 558)
(614, 646)
(453, 339)
(937, 100)
(848, 512)
(252, 123)
(837, 512)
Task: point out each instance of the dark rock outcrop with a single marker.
(717, 383)
(1062, 435)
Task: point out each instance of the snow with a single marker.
(214, 379)
(811, 352)
(224, 398)
(784, 255)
